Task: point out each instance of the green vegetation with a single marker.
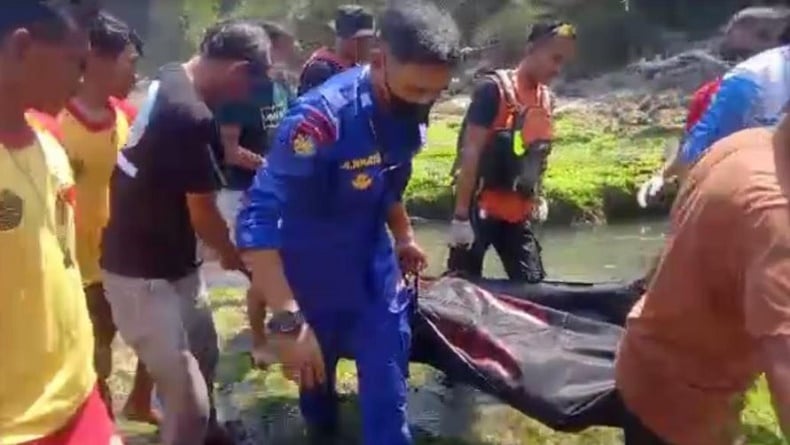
(615, 31)
(594, 169)
(269, 400)
(621, 30)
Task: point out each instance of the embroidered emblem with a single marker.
(11, 207)
(361, 181)
(303, 145)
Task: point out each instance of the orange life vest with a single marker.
(514, 159)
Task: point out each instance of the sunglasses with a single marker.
(564, 30)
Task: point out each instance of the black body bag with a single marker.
(551, 365)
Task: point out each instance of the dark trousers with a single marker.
(635, 432)
(516, 245)
(638, 434)
(103, 333)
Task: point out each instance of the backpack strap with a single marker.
(504, 80)
(546, 98)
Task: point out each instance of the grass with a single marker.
(594, 169)
(271, 401)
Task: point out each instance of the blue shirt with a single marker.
(337, 165)
(752, 94)
(258, 118)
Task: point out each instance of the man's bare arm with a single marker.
(269, 281)
(672, 165)
(234, 153)
(208, 223)
(399, 223)
(775, 353)
(229, 134)
(475, 138)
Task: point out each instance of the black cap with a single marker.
(353, 21)
(543, 30)
(24, 12)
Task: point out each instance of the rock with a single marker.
(454, 106)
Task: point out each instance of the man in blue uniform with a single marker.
(753, 94)
(314, 228)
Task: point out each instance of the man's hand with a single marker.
(301, 357)
(241, 157)
(649, 190)
(540, 213)
(231, 260)
(412, 258)
(461, 233)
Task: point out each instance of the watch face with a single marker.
(286, 322)
(289, 323)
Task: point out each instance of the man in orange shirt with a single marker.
(48, 392)
(717, 311)
(505, 143)
(95, 127)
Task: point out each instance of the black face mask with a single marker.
(404, 109)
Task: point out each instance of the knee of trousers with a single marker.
(181, 384)
(383, 369)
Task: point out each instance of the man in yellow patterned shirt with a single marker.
(95, 127)
(47, 382)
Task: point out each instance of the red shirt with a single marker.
(700, 101)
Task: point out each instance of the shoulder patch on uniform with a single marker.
(316, 125)
(303, 144)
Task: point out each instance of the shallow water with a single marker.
(594, 253)
(615, 252)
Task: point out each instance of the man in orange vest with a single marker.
(505, 145)
(354, 30)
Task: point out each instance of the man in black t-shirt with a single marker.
(162, 194)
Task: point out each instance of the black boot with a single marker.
(324, 435)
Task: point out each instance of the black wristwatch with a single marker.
(286, 323)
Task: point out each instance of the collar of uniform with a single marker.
(366, 98)
(384, 130)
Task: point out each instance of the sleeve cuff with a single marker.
(259, 239)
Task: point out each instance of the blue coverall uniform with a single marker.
(338, 164)
(754, 93)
